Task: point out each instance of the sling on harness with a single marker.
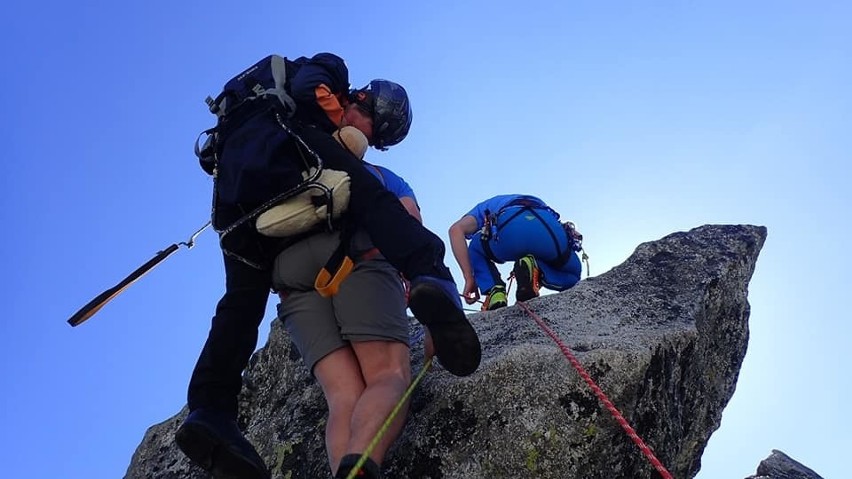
(341, 262)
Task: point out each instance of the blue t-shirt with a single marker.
(495, 204)
(393, 182)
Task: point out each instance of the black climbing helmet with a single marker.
(387, 104)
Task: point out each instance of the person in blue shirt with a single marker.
(355, 342)
(519, 228)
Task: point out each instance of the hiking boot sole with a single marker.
(492, 307)
(204, 448)
(456, 343)
(526, 291)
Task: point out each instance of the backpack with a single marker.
(247, 151)
(324, 200)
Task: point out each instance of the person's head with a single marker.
(381, 111)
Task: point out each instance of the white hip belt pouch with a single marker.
(306, 210)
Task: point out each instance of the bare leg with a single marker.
(386, 369)
(340, 378)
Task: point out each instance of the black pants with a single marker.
(407, 245)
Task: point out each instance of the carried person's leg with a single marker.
(209, 435)
(217, 378)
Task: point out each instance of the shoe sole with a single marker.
(203, 448)
(501, 304)
(525, 284)
(456, 343)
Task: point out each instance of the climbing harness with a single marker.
(340, 264)
(491, 229)
(382, 430)
(631, 433)
(96, 304)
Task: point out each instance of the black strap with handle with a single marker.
(102, 299)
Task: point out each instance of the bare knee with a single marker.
(396, 374)
(384, 362)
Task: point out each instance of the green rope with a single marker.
(382, 430)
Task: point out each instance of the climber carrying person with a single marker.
(519, 228)
(270, 118)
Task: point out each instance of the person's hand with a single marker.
(471, 291)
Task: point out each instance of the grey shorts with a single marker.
(369, 306)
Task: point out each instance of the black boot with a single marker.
(370, 470)
(212, 440)
(436, 304)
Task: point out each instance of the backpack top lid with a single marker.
(388, 105)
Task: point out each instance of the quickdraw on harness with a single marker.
(576, 242)
(631, 433)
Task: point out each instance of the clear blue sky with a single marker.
(633, 120)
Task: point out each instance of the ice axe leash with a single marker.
(96, 304)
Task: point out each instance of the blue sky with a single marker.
(633, 120)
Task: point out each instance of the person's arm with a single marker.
(458, 231)
(318, 88)
(399, 187)
(411, 206)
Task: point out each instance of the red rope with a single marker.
(601, 396)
